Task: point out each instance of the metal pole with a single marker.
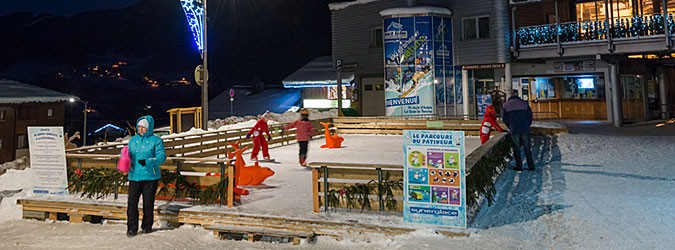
(339, 92)
(325, 187)
(557, 28)
(608, 27)
(663, 95)
(617, 113)
(465, 93)
(84, 138)
(176, 188)
(666, 29)
(205, 87)
(379, 188)
(222, 176)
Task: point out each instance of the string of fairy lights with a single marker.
(194, 12)
(644, 25)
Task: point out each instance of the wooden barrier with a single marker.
(396, 125)
(329, 176)
(333, 176)
(207, 143)
(177, 164)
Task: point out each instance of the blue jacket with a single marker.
(517, 115)
(148, 147)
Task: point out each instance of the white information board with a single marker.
(48, 160)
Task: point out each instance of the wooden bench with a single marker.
(256, 233)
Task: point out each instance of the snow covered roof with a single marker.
(342, 5)
(418, 10)
(13, 92)
(319, 72)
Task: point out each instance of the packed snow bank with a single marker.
(235, 122)
(18, 164)
(14, 184)
(550, 125)
(342, 5)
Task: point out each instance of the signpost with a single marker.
(434, 178)
(231, 102)
(339, 66)
(48, 160)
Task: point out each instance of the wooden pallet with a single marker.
(78, 212)
(256, 233)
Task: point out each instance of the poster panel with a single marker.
(434, 180)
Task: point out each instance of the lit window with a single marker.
(2, 115)
(50, 112)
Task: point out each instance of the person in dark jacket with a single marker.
(517, 115)
(147, 153)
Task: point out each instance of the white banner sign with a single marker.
(48, 160)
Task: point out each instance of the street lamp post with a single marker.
(205, 86)
(86, 108)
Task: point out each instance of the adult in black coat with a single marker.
(517, 115)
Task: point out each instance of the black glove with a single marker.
(142, 162)
(248, 136)
(269, 138)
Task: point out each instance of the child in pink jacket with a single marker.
(304, 133)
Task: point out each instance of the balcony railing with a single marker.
(580, 31)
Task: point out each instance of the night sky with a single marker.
(249, 41)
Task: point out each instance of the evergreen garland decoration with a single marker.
(480, 178)
(357, 196)
(94, 183)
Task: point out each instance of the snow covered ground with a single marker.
(589, 192)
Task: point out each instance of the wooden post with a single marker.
(171, 123)
(53, 216)
(315, 190)
(230, 185)
(75, 218)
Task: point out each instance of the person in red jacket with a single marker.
(259, 139)
(304, 133)
(489, 122)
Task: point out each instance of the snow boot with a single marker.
(302, 162)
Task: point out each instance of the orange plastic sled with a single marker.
(332, 141)
(247, 175)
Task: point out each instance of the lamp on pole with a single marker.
(205, 86)
(86, 109)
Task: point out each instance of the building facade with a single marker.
(569, 58)
(21, 106)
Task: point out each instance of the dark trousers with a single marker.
(303, 148)
(522, 139)
(148, 189)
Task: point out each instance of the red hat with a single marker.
(490, 110)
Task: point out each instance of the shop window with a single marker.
(544, 88)
(592, 87)
(333, 94)
(50, 112)
(21, 142)
(3, 114)
(369, 87)
(376, 38)
(476, 28)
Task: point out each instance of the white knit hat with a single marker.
(143, 123)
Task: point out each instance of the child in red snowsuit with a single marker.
(304, 133)
(259, 138)
(489, 122)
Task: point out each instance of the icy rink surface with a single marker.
(588, 192)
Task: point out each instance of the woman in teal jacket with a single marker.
(147, 153)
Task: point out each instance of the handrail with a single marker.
(651, 24)
(355, 165)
